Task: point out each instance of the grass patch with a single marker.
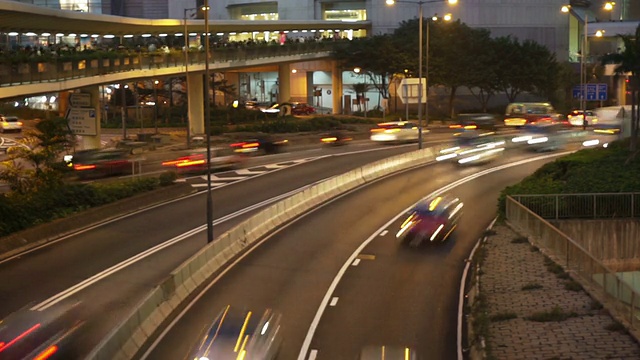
(616, 327)
(532, 286)
(572, 285)
(503, 316)
(520, 240)
(556, 314)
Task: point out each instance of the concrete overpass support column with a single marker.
(284, 83)
(310, 88)
(195, 94)
(233, 79)
(336, 87)
(93, 141)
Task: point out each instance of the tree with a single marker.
(628, 61)
(378, 56)
(36, 165)
(483, 81)
(361, 90)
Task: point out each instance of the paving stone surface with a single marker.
(510, 266)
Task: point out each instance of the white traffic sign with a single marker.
(410, 90)
(80, 100)
(82, 121)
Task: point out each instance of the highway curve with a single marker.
(394, 296)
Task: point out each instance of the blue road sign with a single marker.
(593, 92)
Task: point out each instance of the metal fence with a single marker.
(583, 206)
(618, 296)
(39, 70)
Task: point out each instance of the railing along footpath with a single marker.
(20, 71)
(607, 286)
(161, 305)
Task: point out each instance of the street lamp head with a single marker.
(390, 2)
(452, 2)
(600, 33)
(156, 82)
(434, 18)
(205, 8)
(609, 5)
(447, 17)
(565, 8)
(357, 70)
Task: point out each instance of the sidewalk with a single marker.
(537, 311)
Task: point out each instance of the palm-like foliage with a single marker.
(628, 61)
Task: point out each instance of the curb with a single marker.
(40, 235)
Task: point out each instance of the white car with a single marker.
(575, 118)
(396, 131)
(10, 123)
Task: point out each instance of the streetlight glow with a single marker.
(565, 8)
(447, 17)
(600, 33)
(609, 5)
(452, 2)
(390, 2)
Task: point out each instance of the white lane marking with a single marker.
(313, 354)
(461, 296)
(249, 172)
(134, 259)
(226, 178)
(384, 233)
(213, 184)
(273, 166)
(355, 262)
(334, 301)
(323, 305)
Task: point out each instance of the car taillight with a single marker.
(456, 126)
(47, 353)
(470, 127)
(329, 139)
(377, 130)
(80, 167)
(19, 123)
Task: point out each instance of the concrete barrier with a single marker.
(158, 307)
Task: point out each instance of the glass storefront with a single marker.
(252, 12)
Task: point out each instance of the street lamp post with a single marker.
(207, 123)
(186, 67)
(155, 104)
(583, 54)
(420, 3)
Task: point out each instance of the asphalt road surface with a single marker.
(394, 296)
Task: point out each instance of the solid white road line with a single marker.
(384, 233)
(250, 172)
(323, 304)
(462, 286)
(334, 301)
(355, 262)
(134, 259)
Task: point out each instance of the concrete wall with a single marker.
(615, 242)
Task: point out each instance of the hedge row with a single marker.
(42, 207)
(596, 170)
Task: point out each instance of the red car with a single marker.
(302, 109)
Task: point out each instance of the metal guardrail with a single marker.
(40, 69)
(583, 206)
(616, 295)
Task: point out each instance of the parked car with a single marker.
(431, 220)
(521, 114)
(302, 109)
(475, 121)
(10, 123)
(265, 145)
(96, 163)
(576, 119)
(237, 333)
(395, 131)
(196, 161)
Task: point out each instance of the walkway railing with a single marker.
(583, 206)
(70, 66)
(606, 285)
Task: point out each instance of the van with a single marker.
(521, 114)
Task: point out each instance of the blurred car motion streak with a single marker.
(221, 158)
(396, 131)
(387, 353)
(431, 220)
(473, 147)
(239, 334)
(39, 335)
(96, 163)
(265, 145)
(335, 138)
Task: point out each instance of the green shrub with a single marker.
(167, 178)
(556, 314)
